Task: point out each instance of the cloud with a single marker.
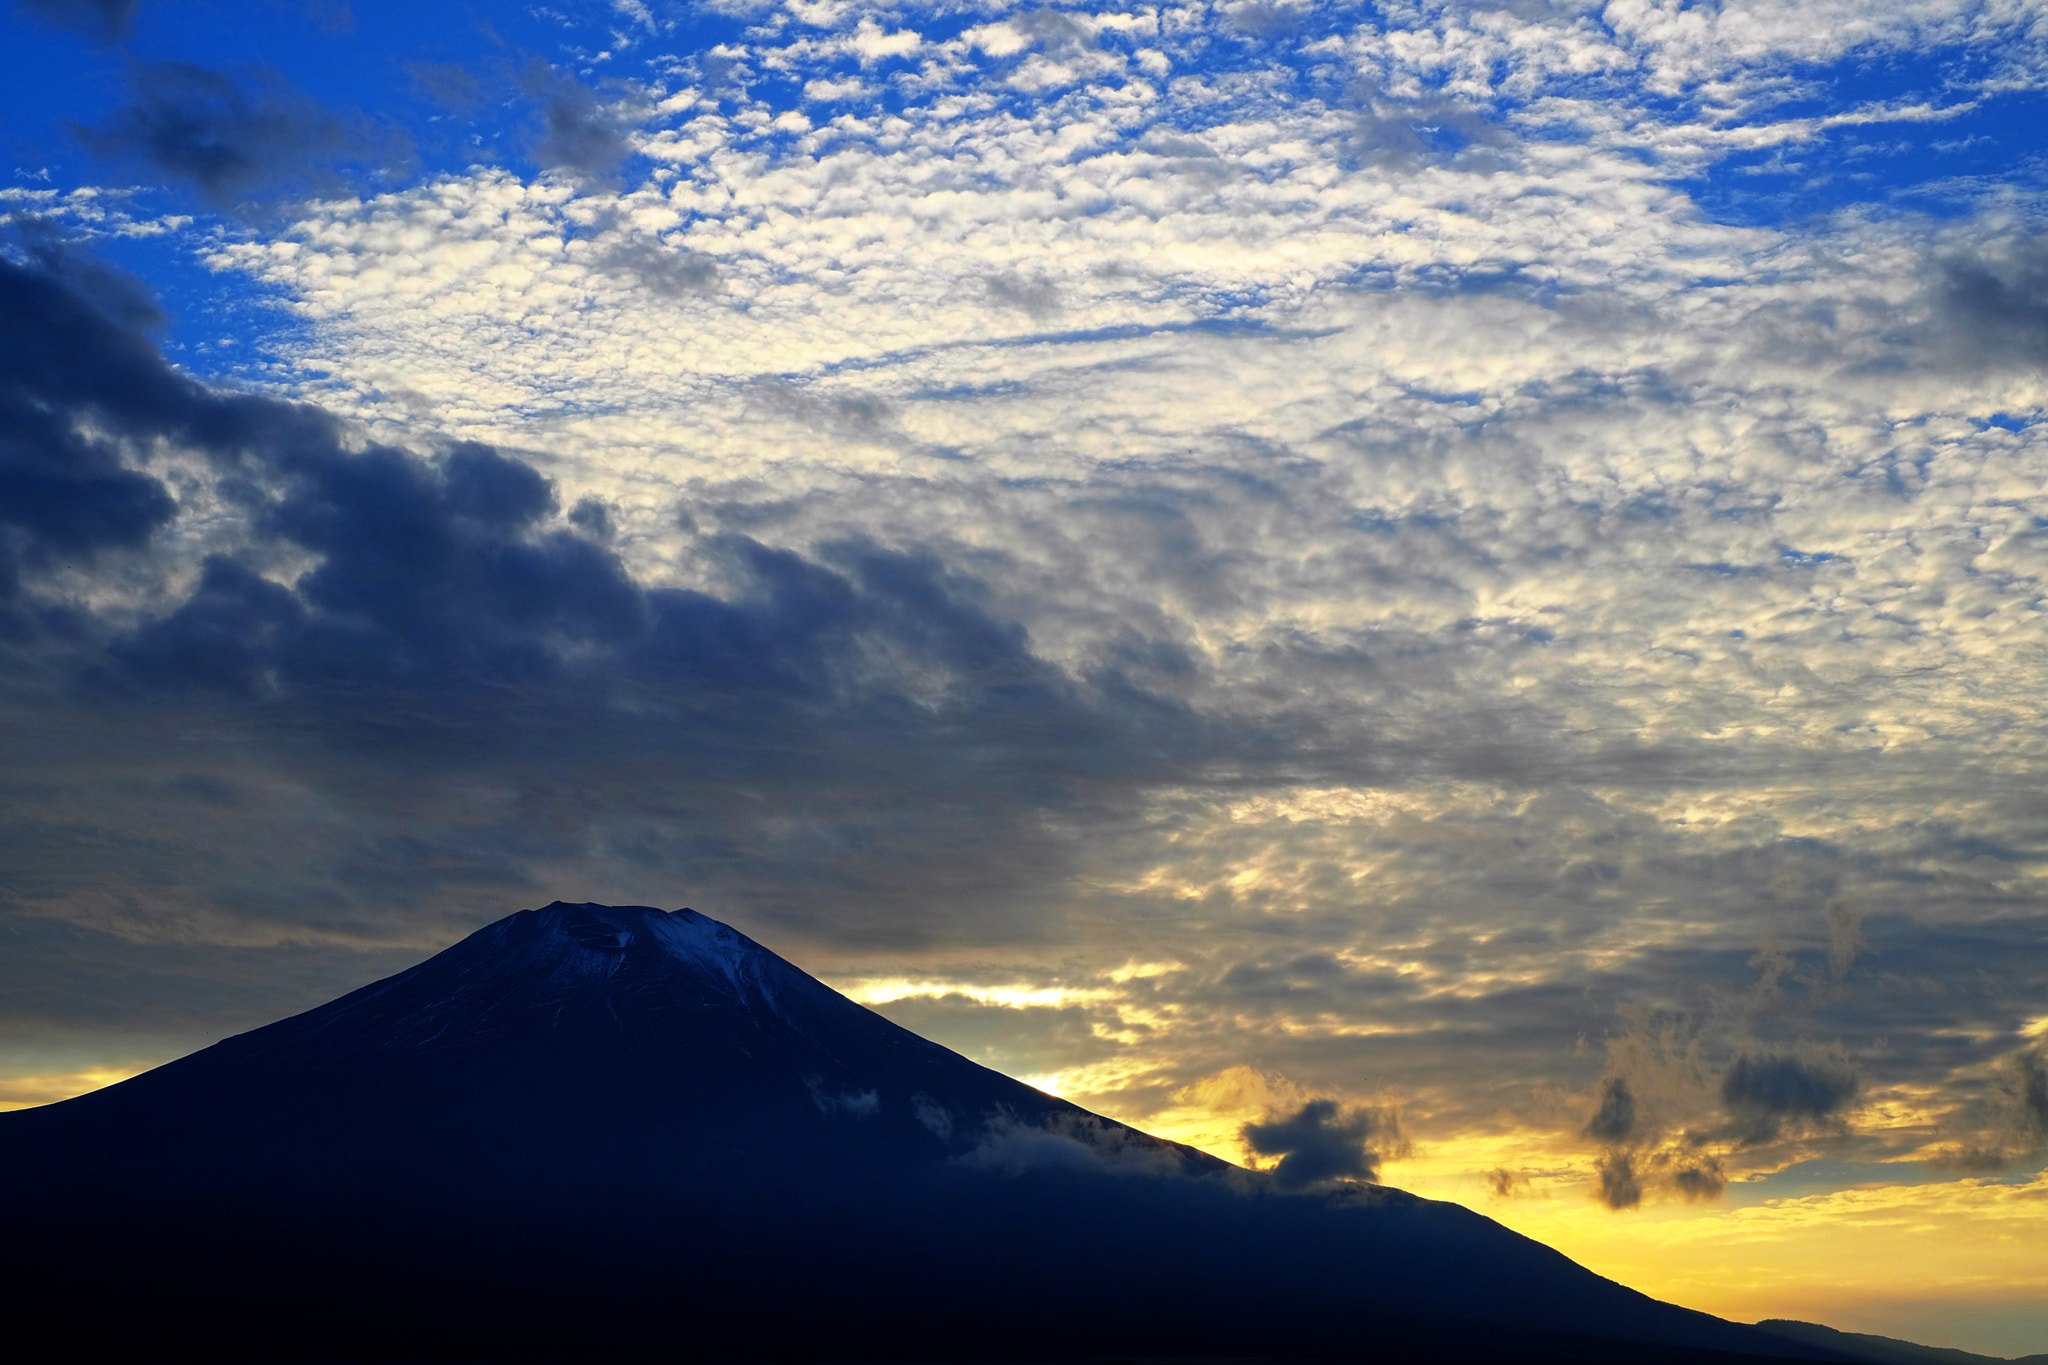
(1308, 981)
(592, 518)
(1039, 297)
(1762, 1092)
(1996, 300)
(423, 572)
(663, 272)
(1687, 1097)
(67, 349)
(858, 1104)
(580, 133)
(1619, 1187)
(934, 1116)
(102, 20)
(1615, 1120)
(377, 596)
(453, 86)
(1704, 1180)
(1407, 134)
(2031, 1073)
(1845, 937)
(1079, 1142)
(432, 576)
(120, 297)
(1321, 1141)
(233, 140)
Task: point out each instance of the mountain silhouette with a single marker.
(591, 1133)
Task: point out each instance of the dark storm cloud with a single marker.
(431, 577)
(103, 20)
(223, 638)
(2031, 1089)
(1923, 986)
(849, 415)
(1615, 1120)
(1996, 300)
(1321, 1142)
(430, 574)
(83, 390)
(579, 133)
(451, 85)
(234, 139)
(449, 579)
(120, 297)
(593, 517)
(1705, 1180)
(1035, 295)
(1917, 986)
(1506, 1184)
(1263, 19)
(1402, 134)
(660, 270)
(1060, 34)
(1764, 1092)
(1311, 983)
(1620, 1186)
(68, 349)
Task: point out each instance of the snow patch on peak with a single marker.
(682, 933)
(589, 939)
(690, 934)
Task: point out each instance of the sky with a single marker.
(1451, 589)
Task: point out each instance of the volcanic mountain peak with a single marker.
(520, 1137)
(597, 940)
(634, 974)
(590, 937)
(612, 928)
(632, 948)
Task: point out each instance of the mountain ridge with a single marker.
(636, 985)
(1881, 1350)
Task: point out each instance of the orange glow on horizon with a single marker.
(30, 1091)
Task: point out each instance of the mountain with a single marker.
(1876, 1350)
(593, 1132)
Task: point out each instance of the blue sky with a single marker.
(1483, 563)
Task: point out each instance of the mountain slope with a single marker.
(615, 1132)
(1876, 1350)
(630, 1013)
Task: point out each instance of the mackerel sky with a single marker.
(1483, 563)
